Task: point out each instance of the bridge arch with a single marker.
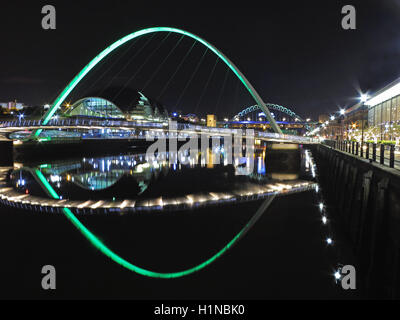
(270, 106)
(68, 89)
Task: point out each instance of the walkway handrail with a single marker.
(384, 154)
(35, 124)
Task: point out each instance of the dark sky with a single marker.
(295, 53)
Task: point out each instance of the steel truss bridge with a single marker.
(275, 107)
(270, 106)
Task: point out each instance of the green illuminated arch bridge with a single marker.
(68, 89)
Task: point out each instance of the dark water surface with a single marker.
(284, 255)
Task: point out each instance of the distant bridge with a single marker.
(270, 106)
(275, 107)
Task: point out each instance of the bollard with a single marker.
(374, 152)
(367, 151)
(382, 154)
(352, 147)
(391, 161)
(357, 147)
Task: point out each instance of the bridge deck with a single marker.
(137, 130)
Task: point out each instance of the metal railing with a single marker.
(78, 122)
(137, 124)
(384, 154)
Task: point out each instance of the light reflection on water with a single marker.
(135, 176)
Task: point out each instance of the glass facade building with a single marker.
(95, 107)
(385, 113)
(139, 109)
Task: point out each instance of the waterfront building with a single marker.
(134, 106)
(384, 112)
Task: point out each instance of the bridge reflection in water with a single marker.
(135, 183)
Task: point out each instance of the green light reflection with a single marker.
(97, 243)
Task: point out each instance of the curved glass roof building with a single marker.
(95, 107)
(118, 103)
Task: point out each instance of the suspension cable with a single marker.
(206, 86)
(162, 63)
(191, 78)
(113, 64)
(141, 67)
(222, 91)
(236, 94)
(176, 71)
(129, 62)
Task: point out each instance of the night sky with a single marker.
(295, 53)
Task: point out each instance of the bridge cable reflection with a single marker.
(98, 244)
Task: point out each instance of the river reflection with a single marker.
(133, 182)
(138, 177)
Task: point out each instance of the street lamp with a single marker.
(364, 98)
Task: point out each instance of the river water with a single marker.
(257, 236)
